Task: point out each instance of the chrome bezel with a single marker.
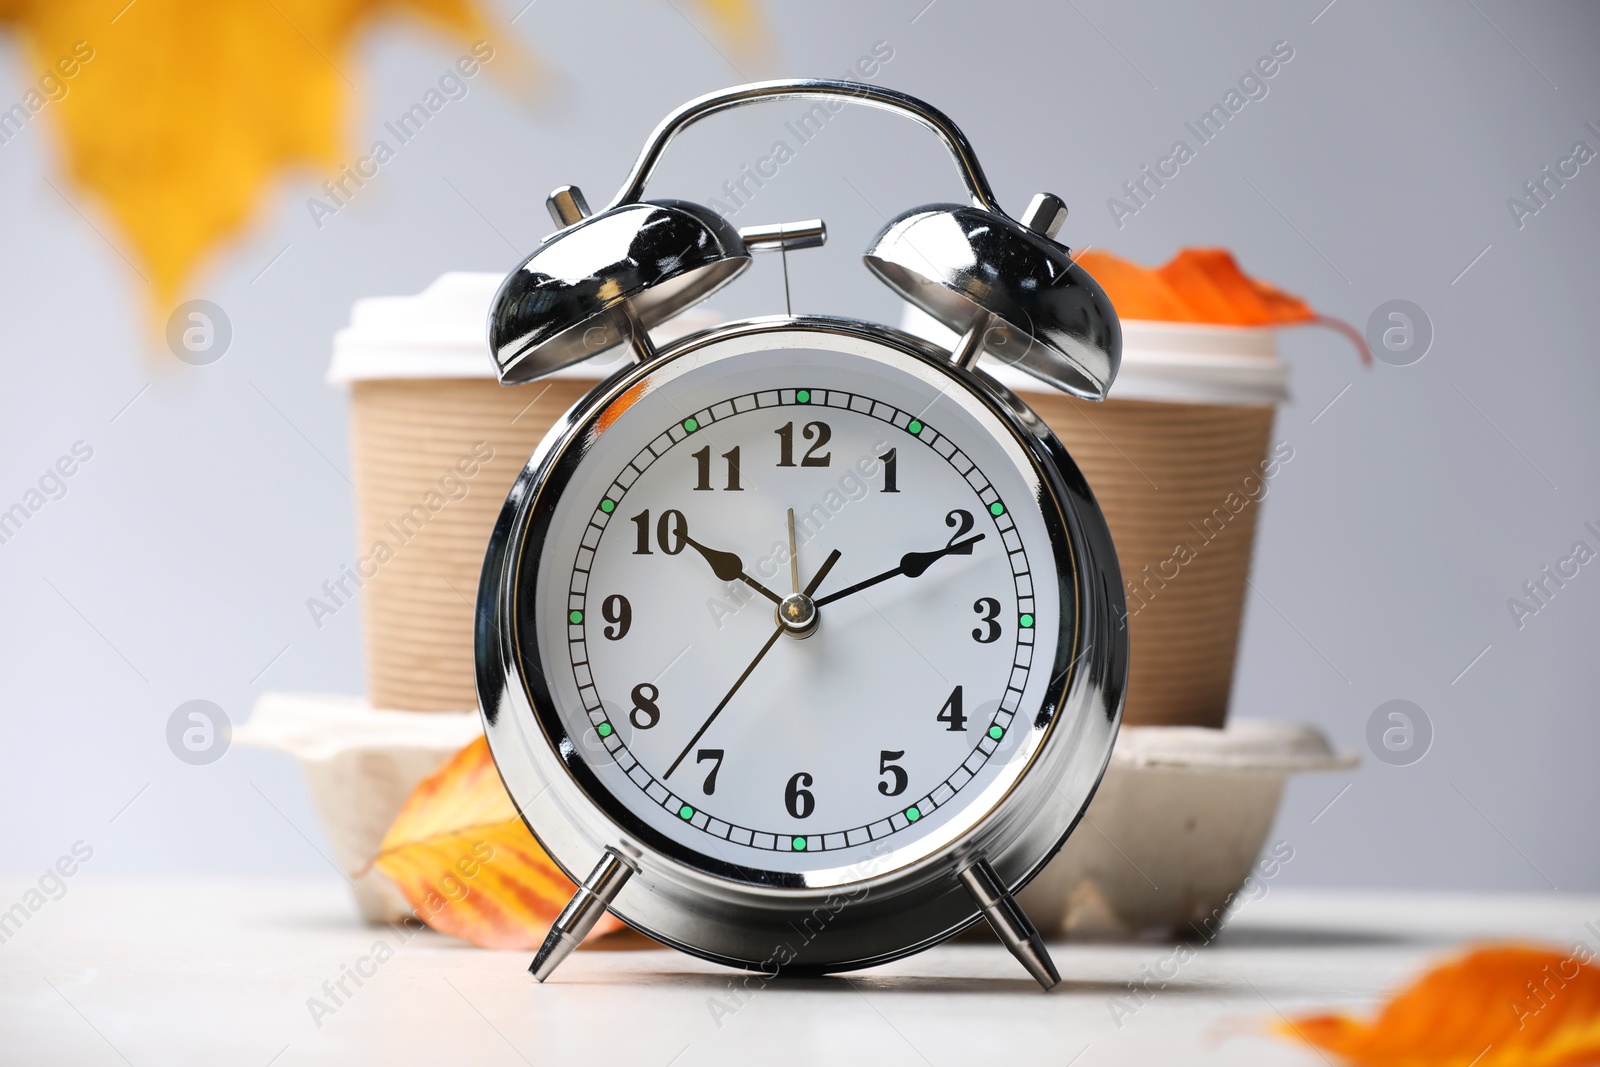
(753, 918)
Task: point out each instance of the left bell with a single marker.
(607, 279)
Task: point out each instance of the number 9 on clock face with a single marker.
(849, 704)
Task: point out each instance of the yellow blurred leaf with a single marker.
(1504, 1006)
(179, 112)
(740, 23)
(467, 863)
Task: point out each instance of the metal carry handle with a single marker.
(796, 88)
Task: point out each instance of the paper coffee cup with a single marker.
(1179, 458)
(436, 442)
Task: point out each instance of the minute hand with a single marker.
(912, 564)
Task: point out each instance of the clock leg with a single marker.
(1009, 922)
(582, 912)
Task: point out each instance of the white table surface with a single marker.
(198, 972)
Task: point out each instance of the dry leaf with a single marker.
(465, 861)
(741, 25)
(1205, 285)
(179, 112)
(1196, 285)
(1507, 1006)
(176, 114)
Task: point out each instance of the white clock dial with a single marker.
(923, 604)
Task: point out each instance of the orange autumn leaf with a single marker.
(1197, 285)
(1505, 1006)
(463, 858)
(1203, 285)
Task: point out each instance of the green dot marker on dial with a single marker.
(803, 396)
(1027, 622)
(912, 814)
(798, 843)
(608, 505)
(686, 812)
(914, 427)
(691, 425)
(575, 617)
(997, 732)
(604, 729)
(997, 509)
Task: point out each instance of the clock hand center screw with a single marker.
(797, 614)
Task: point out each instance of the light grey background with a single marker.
(1378, 167)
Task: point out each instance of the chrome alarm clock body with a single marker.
(801, 643)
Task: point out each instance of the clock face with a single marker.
(830, 713)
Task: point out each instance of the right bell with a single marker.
(1007, 288)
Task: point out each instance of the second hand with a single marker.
(794, 572)
(724, 701)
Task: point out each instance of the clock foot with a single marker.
(582, 912)
(1010, 922)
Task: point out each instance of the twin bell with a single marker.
(1003, 285)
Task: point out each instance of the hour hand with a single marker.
(729, 568)
(912, 564)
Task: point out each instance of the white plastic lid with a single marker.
(1174, 362)
(442, 332)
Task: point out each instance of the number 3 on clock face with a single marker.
(852, 706)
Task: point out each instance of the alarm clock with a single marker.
(800, 642)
